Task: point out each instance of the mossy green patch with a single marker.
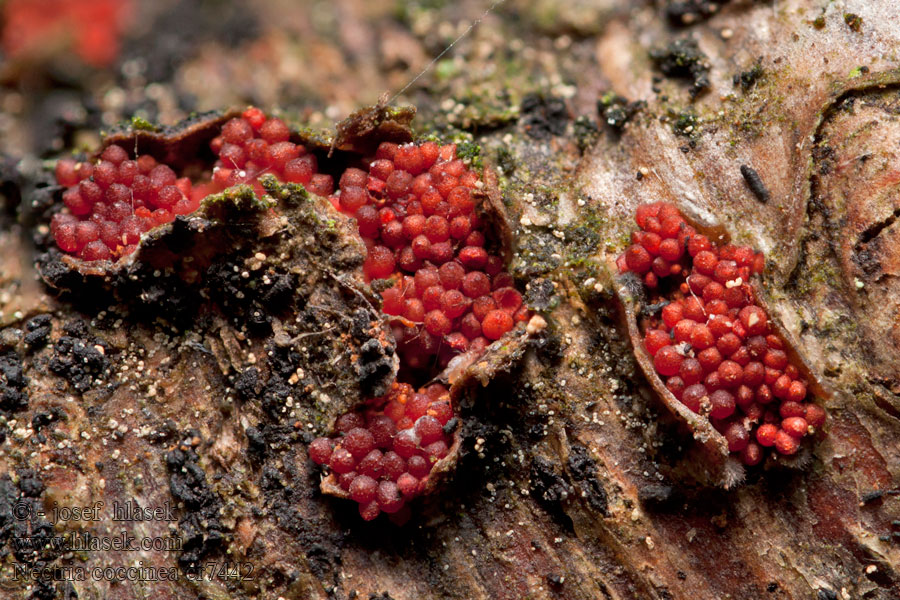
(853, 21)
(141, 124)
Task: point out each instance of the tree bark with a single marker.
(195, 377)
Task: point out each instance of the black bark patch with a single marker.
(550, 489)
(683, 59)
(657, 496)
(247, 384)
(747, 79)
(375, 368)
(30, 483)
(583, 469)
(256, 442)
(38, 330)
(24, 533)
(616, 111)
(12, 382)
(323, 554)
(77, 359)
(544, 116)
(274, 399)
(202, 532)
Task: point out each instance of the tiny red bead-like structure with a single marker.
(712, 344)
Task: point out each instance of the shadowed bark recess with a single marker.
(195, 375)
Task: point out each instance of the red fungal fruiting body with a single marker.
(668, 361)
(416, 207)
(118, 187)
(112, 203)
(253, 145)
(320, 450)
(411, 424)
(711, 343)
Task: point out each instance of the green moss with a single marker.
(141, 124)
(379, 285)
(853, 21)
(685, 123)
(242, 197)
(581, 244)
(470, 151)
(505, 160)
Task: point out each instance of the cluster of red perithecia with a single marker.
(110, 202)
(384, 456)
(416, 211)
(712, 342)
(416, 207)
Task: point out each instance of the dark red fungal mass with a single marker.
(391, 448)
(126, 196)
(416, 210)
(112, 202)
(712, 344)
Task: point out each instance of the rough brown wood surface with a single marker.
(200, 387)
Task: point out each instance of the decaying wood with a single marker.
(571, 478)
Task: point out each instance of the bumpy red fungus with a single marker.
(110, 202)
(416, 208)
(384, 455)
(712, 343)
(253, 145)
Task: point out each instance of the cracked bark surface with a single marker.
(571, 482)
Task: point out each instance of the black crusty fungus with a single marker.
(247, 384)
(12, 382)
(202, 532)
(544, 117)
(616, 111)
(583, 469)
(551, 489)
(375, 368)
(683, 59)
(38, 330)
(79, 357)
(747, 79)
